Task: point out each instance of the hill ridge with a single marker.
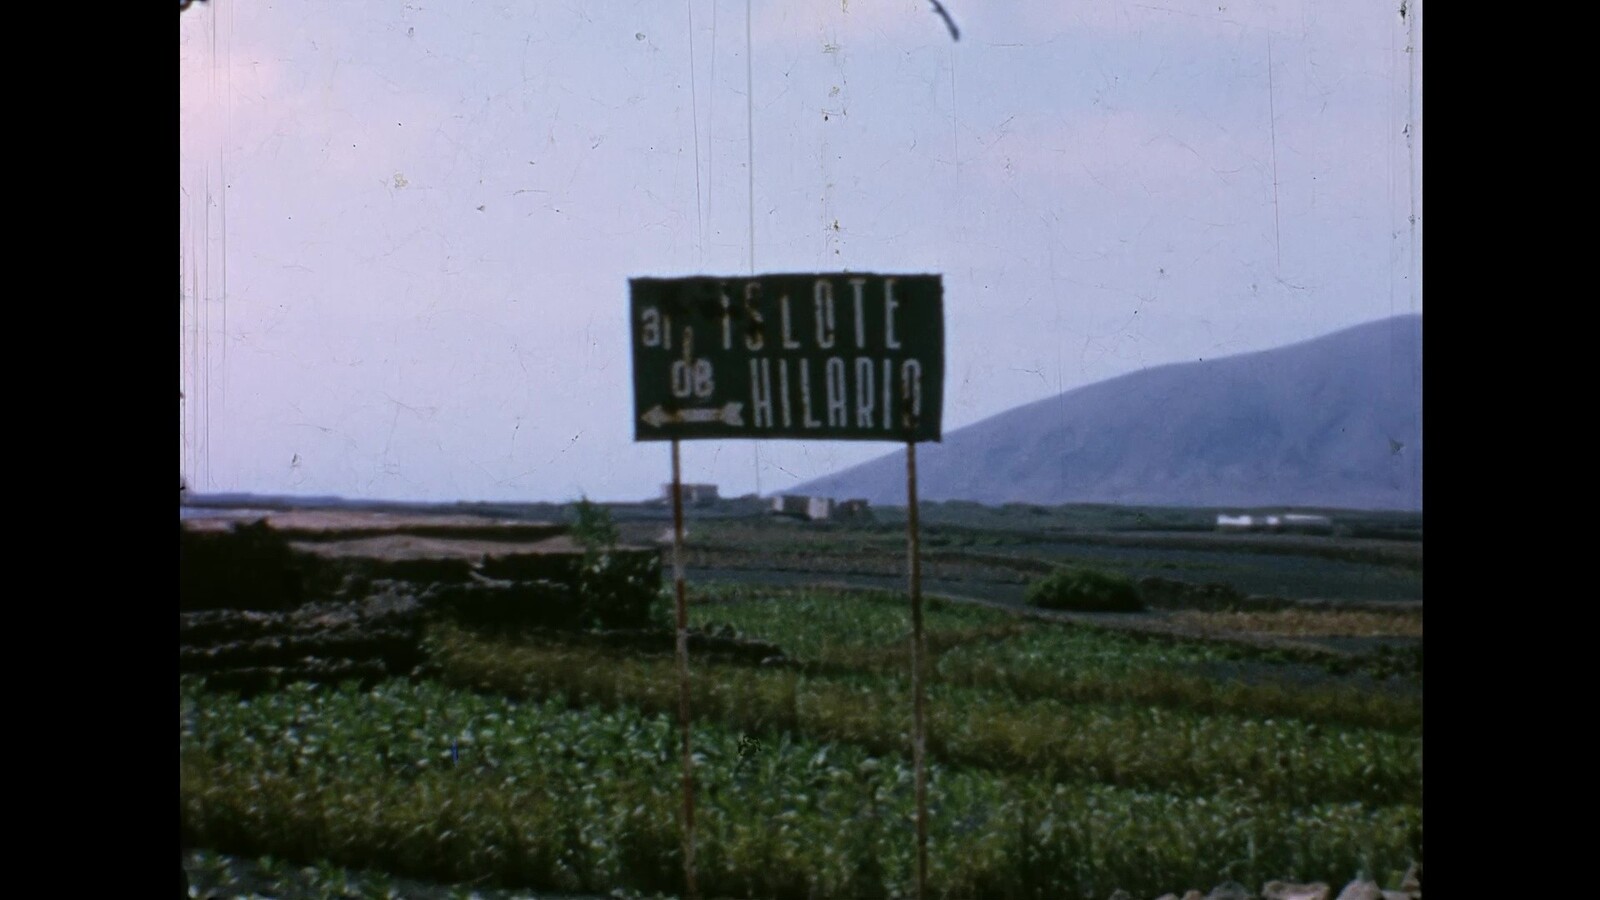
(1332, 421)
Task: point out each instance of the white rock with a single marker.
(1288, 890)
(1361, 890)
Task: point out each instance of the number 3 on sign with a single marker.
(657, 328)
(693, 380)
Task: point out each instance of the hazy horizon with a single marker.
(887, 450)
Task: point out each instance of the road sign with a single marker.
(832, 356)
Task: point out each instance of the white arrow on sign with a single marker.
(729, 414)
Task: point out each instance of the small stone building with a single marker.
(693, 494)
(800, 506)
(852, 509)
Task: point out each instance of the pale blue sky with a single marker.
(406, 229)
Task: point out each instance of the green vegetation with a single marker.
(615, 590)
(1085, 590)
(1064, 762)
(451, 785)
(593, 526)
(834, 627)
(987, 648)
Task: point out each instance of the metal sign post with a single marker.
(919, 739)
(831, 356)
(683, 673)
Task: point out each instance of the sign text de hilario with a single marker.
(834, 356)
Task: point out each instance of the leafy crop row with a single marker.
(979, 647)
(1171, 750)
(448, 785)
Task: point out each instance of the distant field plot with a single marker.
(1273, 574)
(995, 566)
(1095, 517)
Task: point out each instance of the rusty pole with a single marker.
(683, 673)
(918, 736)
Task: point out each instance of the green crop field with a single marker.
(1064, 762)
(993, 552)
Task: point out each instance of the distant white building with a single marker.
(1287, 522)
(1306, 524)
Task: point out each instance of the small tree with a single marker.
(594, 528)
(616, 589)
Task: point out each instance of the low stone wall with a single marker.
(251, 650)
(256, 565)
(247, 566)
(335, 597)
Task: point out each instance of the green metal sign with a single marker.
(833, 356)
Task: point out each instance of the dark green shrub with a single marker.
(1167, 593)
(1085, 590)
(617, 588)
